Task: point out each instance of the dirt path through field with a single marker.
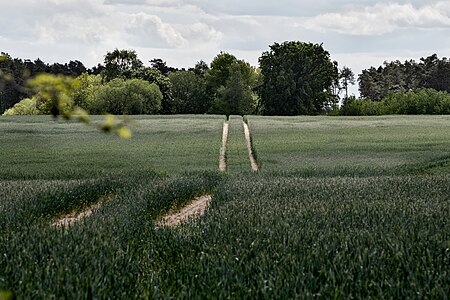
(248, 140)
(223, 148)
(194, 209)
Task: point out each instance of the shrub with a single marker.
(134, 96)
(421, 101)
(86, 96)
(359, 107)
(54, 93)
(25, 107)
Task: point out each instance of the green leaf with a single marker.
(124, 132)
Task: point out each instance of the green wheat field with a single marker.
(342, 207)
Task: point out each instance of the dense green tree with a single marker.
(436, 73)
(219, 72)
(120, 63)
(190, 94)
(236, 96)
(153, 75)
(200, 68)
(227, 73)
(125, 64)
(414, 102)
(352, 106)
(13, 76)
(297, 79)
(161, 66)
(86, 95)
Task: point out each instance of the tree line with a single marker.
(411, 87)
(394, 77)
(293, 78)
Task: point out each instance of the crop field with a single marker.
(351, 145)
(341, 208)
(39, 147)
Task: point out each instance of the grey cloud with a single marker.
(151, 31)
(184, 31)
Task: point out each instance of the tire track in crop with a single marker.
(194, 209)
(77, 216)
(248, 140)
(223, 148)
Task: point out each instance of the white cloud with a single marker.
(150, 30)
(200, 32)
(381, 19)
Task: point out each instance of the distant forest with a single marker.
(293, 78)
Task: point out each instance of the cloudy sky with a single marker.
(357, 33)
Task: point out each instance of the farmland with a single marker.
(341, 208)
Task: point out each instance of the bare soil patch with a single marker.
(194, 209)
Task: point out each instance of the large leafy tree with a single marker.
(126, 65)
(200, 68)
(297, 78)
(231, 83)
(121, 63)
(236, 96)
(153, 75)
(189, 93)
(161, 65)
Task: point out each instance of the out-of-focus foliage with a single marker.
(25, 107)
(15, 72)
(54, 94)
